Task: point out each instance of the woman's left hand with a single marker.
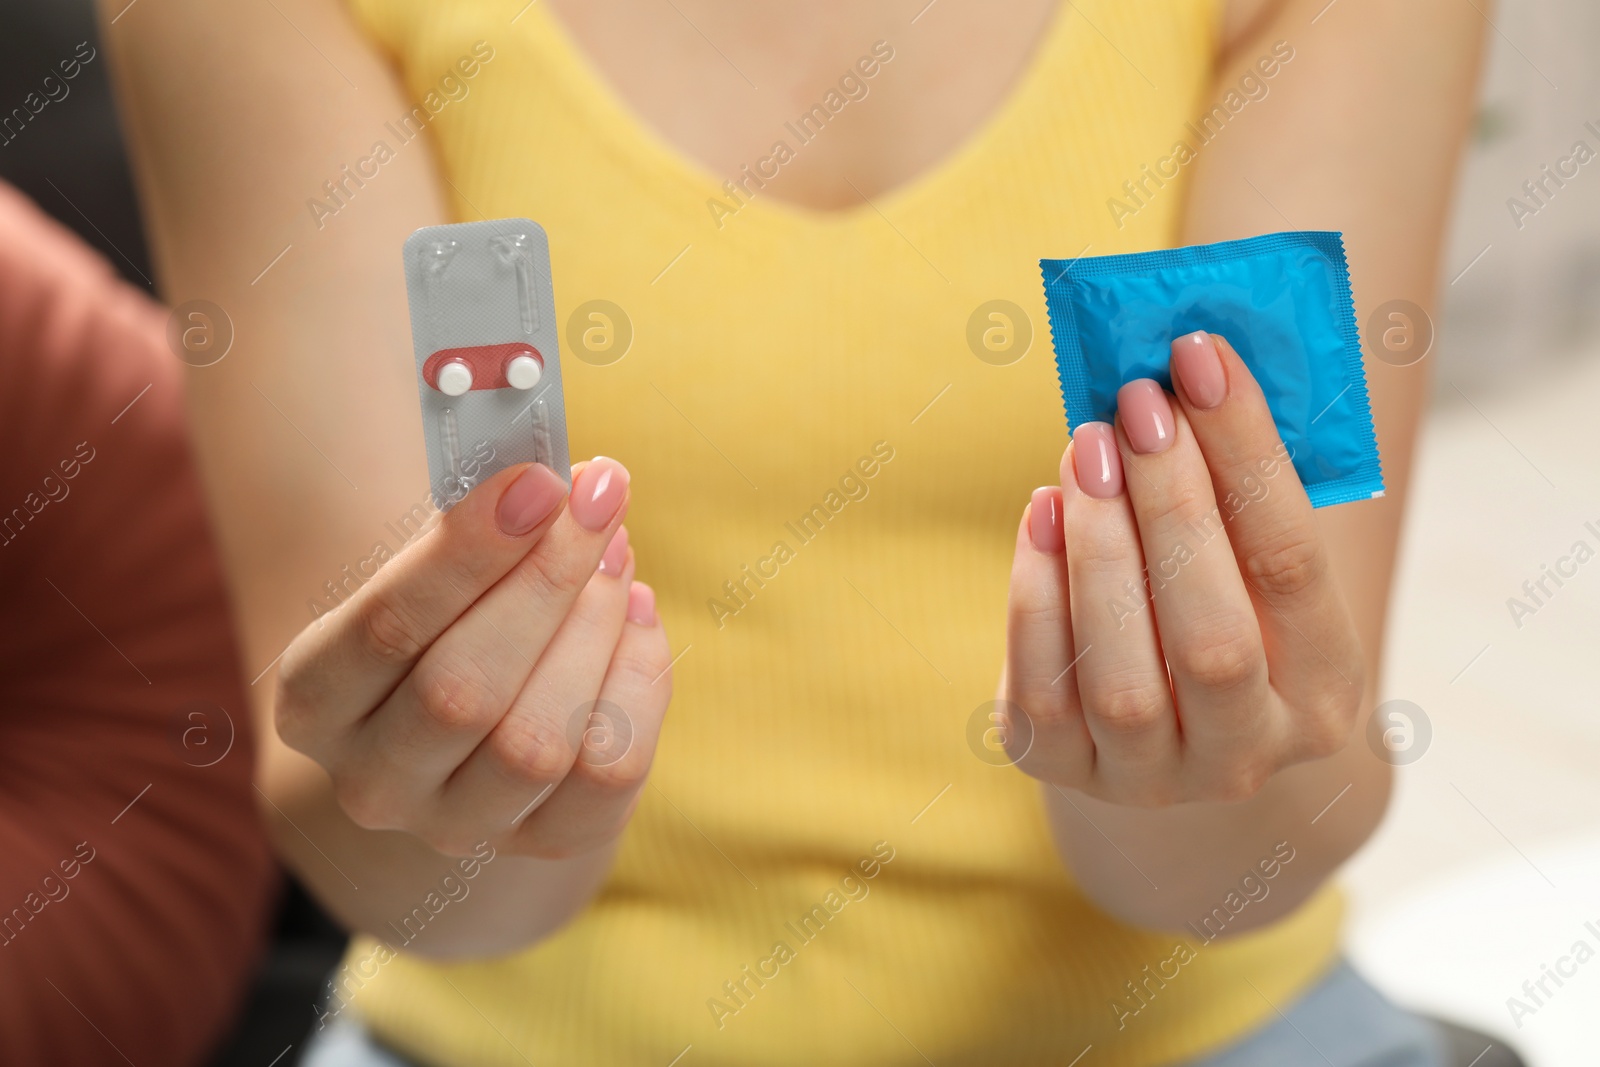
(1175, 632)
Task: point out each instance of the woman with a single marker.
(796, 214)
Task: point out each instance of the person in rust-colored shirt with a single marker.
(134, 880)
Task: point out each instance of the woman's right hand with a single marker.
(502, 679)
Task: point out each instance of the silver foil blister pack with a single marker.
(488, 369)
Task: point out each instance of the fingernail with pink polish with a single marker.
(1095, 460)
(1146, 416)
(641, 604)
(528, 500)
(616, 553)
(597, 493)
(1198, 367)
(1044, 520)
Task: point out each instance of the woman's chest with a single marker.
(897, 86)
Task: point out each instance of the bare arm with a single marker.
(237, 115)
(1360, 133)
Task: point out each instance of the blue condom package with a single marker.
(1282, 300)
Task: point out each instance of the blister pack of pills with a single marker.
(488, 369)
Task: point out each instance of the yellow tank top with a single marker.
(827, 483)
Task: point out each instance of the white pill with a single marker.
(455, 378)
(524, 372)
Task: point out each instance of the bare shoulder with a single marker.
(1244, 21)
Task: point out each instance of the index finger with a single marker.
(347, 662)
(1313, 655)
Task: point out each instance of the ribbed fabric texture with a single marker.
(825, 708)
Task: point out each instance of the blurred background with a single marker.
(1488, 867)
(70, 161)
